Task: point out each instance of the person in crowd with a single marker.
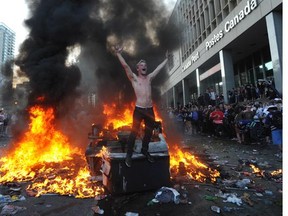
(207, 97)
(217, 117)
(144, 106)
(243, 119)
(228, 123)
(213, 97)
(274, 121)
(195, 119)
(207, 122)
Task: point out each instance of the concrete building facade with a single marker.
(225, 44)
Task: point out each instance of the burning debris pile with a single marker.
(44, 158)
(182, 163)
(185, 164)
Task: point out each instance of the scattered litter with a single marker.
(243, 183)
(97, 210)
(215, 209)
(11, 210)
(246, 198)
(9, 199)
(233, 199)
(247, 174)
(166, 195)
(268, 192)
(152, 202)
(259, 194)
(131, 214)
(230, 209)
(210, 198)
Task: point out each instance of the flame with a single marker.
(122, 117)
(257, 170)
(194, 169)
(191, 166)
(45, 157)
(116, 117)
(276, 172)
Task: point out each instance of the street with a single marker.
(262, 196)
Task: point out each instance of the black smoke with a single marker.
(56, 25)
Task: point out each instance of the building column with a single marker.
(274, 28)
(186, 97)
(174, 97)
(183, 92)
(227, 72)
(198, 82)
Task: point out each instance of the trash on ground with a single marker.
(97, 210)
(11, 209)
(215, 209)
(233, 199)
(166, 195)
(131, 214)
(246, 198)
(243, 183)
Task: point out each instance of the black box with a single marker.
(142, 176)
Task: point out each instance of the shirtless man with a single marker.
(144, 106)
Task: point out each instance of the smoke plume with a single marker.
(96, 26)
(55, 25)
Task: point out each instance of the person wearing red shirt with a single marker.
(217, 117)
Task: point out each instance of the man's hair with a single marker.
(141, 61)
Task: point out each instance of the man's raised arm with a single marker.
(128, 70)
(159, 67)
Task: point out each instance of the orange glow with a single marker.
(276, 172)
(118, 118)
(257, 170)
(122, 117)
(193, 168)
(45, 157)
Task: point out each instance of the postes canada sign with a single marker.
(228, 26)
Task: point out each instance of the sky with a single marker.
(14, 12)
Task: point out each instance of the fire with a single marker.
(276, 172)
(257, 170)
(184, 163)
(179, 160)
(45, 157)
(116, 117)
(122, 117)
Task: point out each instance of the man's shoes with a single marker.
(128, 161)
(148, 156)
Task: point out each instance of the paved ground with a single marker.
(263, 195)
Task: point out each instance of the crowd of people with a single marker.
(249, 121)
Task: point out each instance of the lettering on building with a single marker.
(250, 6)
(217, 37)
(193, 59)
(230, 24)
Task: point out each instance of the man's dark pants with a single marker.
(147, 115)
